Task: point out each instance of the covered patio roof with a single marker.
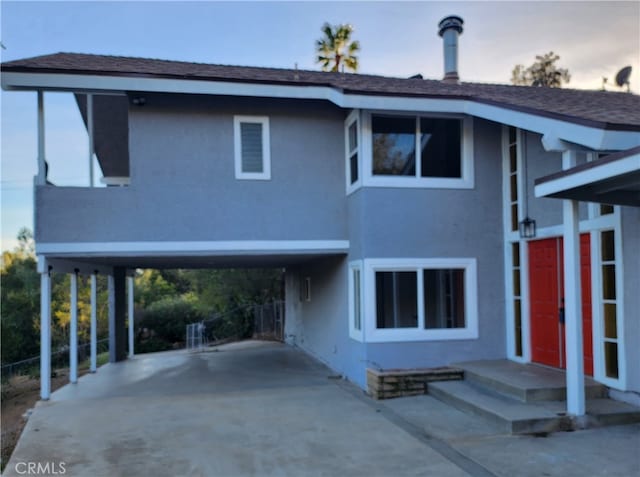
(613, 179)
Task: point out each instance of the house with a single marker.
(420, 222)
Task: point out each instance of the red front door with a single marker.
(547, 299)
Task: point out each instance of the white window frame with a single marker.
(384, 335)
(266, 148)
(354, 333)
(466, 181)
(353, 117)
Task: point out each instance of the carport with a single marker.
(119, 261)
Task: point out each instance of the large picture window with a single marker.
(421, 299)
(416, 147)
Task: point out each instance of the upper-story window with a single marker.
(416, 147)
(251, 147)
(386, 150)
(352, 149)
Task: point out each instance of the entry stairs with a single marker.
(528, 399)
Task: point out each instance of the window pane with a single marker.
(251, 137)
(353, 136)
(514, 217)
(396, 299)
(611, 359)
(353, 167)
(517, 314)
(516, 282)
(606, 209)
(609, 282)
(356, 299)
(440, 147)
(610, 328)
(513, 159)
(514, 187)
(512, 135)
(607, 245)
(444, 299)
(515, 249)
(394, 146)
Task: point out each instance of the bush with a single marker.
(166, 319)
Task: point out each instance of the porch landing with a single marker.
(528, 399)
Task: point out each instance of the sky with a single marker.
(594, 40)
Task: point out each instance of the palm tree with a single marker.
(336, 49)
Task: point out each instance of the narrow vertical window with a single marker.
(609, 302)
(357, 315)
(251, 148)
(517, 298)
(352, 150)
(513, 178)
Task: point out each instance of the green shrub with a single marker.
(166, 319)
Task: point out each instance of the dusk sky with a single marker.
(593, 39)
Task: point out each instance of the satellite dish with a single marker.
(622, 77)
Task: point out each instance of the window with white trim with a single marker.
(420, 151)
(355, 301)
(421, 299)
(251, 147)
(352, 150)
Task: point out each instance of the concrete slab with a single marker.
(253, 410)
(267, 409)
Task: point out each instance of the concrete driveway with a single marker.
(257, 408)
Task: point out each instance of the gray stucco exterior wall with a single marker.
(183, 184)
(443, 223)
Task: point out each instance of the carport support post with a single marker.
(94, 324)
(117, 315)
(130, 313)
(73, 330)
(45, 335)
(573, 300)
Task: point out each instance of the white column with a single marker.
(573, 301)
(45, 336)
(41, 178)
(90, 131)
(112, 318)
(94, 324)
(73, 330)
(130, 314)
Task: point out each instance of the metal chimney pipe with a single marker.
(449, 29)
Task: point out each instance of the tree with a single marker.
(543, 72)
(336, 50)
(20, 299)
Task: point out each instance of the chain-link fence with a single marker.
(59, 359)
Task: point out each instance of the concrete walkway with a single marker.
(265, 409)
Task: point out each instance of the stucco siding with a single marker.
(631, 272)
(320, 326)
(183, 184)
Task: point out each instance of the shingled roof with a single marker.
(603, 109)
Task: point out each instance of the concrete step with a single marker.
(525, 382)
(514, 416)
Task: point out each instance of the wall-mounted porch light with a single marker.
(527, 228)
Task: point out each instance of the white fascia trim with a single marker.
(588, 176)
(373, 334)
(243, 247)
(590, 137)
